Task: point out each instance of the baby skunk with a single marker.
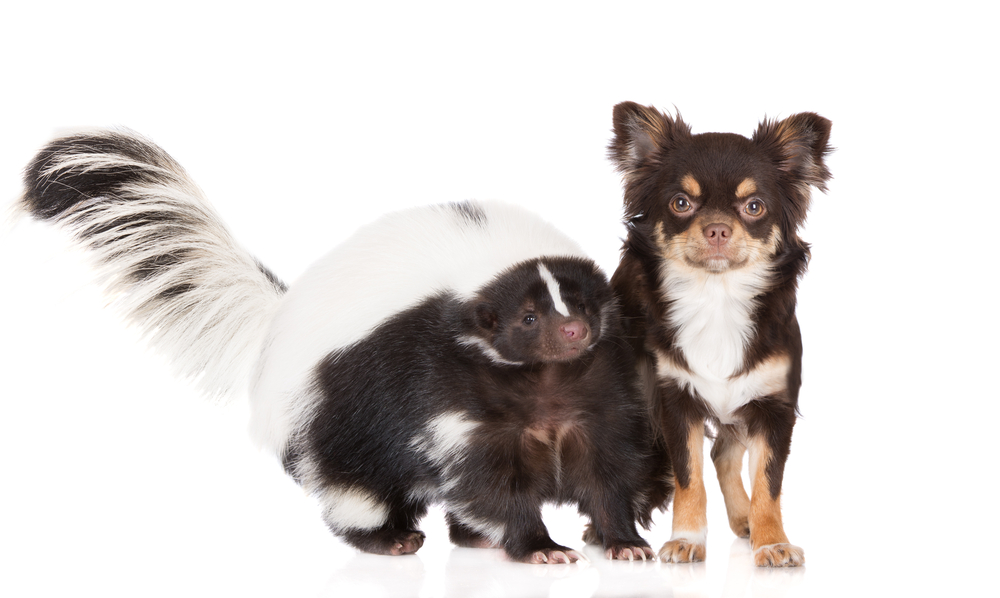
(467, 354)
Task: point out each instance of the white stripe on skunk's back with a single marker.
(386, 267)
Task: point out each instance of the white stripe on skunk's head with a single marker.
(554, 291)
(544, 310)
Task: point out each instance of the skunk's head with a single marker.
(543, 311)
(717, 202)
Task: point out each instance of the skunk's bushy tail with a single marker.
(163, 253)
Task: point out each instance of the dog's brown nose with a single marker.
(717, 234)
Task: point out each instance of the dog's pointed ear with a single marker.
(641, 132)
(798, 146)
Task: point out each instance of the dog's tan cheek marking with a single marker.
(672, 250)
(659, 236)
(746, 188)
(661, 240)
(759, 250)
(774, 240)
(765, 512)
(690, 185)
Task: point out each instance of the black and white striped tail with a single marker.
(163, 253)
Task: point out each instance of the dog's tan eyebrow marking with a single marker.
(690, 186)
(746, 188)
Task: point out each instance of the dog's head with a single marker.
(718, 202)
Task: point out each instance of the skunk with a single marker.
(708, 279)
(467, 354)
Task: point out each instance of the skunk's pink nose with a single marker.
(717, 234)
(574, 330)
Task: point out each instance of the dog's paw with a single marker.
(552, 557)
(682, 551)
(740, 526)
(630, 553)
(779, 555)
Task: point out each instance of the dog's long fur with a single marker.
(465, 353)
(708, 278)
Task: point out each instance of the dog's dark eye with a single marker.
(529, 319)
(680, 204)
(754, 208)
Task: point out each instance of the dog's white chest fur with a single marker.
(713, 316)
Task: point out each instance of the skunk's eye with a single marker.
(755, 208)
(529, 319)
(582, 308)
(680, 203)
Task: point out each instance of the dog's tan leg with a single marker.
(727, 454)
(767, 534)
(687, 539)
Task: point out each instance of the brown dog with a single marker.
(708, 280)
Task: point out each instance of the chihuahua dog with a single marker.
(708, 278)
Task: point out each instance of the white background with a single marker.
(303, 122)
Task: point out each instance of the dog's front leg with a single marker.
(690, 525)
(727, 455)
(768, 447)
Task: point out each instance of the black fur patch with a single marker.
(472, 213)
(272, 277)
(53, 186)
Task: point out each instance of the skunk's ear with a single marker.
(641, 132)
(798, 146)
(486, 316)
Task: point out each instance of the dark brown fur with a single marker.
(683, 194)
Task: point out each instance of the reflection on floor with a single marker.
(442, 570)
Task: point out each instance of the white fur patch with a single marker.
(487, 349)
(445, 437)
(424, 491)
(352, 508)
(442, 442)
(692, 536)
(726, 395)
(553, 286)
(493, 530)
(386, 267)
(712, 314)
